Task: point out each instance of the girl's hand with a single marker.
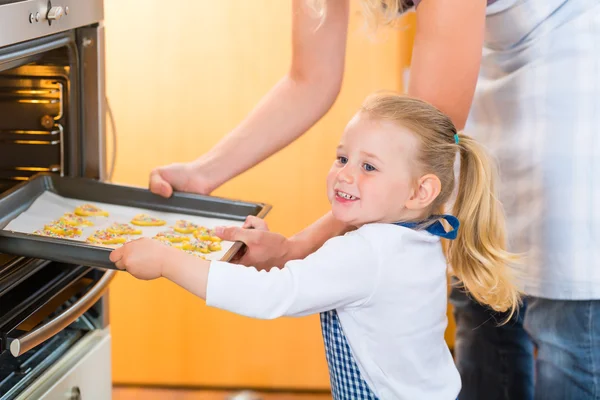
(264, 249)
(142, 258)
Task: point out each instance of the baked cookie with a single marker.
(123, 229)
(173, 237)
(196, 245)
(90, 210)
(167, 242)
(75, 220)
(106, 237)
(186, 227)
(214, 246)
(206, 234)
(146, 220)
(43, 232)
(62, 229)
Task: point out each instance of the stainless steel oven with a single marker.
(54, 331)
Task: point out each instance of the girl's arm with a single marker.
(341, 273)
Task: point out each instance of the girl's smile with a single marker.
(344, 197)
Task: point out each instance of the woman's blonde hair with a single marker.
(375, 12)
(478, 255)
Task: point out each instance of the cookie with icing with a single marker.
(196, 245)
(147, 220)
(173, 237)
(90, 210)
(185, 227)
(214, 246)
(206, 234)
(106, 237)
(123, 229)
(44, 232)
(63, 229)
(76, 220)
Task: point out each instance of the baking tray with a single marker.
(18, 199)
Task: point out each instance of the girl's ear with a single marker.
(426, 191)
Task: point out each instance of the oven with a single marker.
(54, 326)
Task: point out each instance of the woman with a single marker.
(536, 107)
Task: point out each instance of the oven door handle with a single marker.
(39, 335)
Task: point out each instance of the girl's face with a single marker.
(374, 175)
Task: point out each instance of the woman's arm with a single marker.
(296, 102)
(447, 54)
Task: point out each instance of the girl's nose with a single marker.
(346, 174)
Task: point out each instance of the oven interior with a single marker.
(41, 123)
(36, 121)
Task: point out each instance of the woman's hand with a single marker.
(253, 222)
(178, 177)
(142, 258)
(264, 249)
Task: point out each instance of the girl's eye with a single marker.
(369, 167)
(342, 159)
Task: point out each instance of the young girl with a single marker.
(381, 289)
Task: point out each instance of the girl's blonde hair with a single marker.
(375, 12)
(478, 255)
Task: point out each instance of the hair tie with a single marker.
(456, 140)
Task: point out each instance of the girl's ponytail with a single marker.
(478, 255)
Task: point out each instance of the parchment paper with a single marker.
(49, 207)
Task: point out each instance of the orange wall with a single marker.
(179, 77)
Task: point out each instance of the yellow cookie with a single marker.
(173, 237)
(43, 232)
(214, 246)
(62, 229)
(146, 220)
(182, 226)
(206, 234)
(90, 210)
(105, 237)
(75, 220)
(196, 245)
(123, 229)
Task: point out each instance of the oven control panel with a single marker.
(53, 13)
(30, 19)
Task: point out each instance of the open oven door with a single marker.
(48, 311)
(75, 376)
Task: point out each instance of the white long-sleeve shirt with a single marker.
(388, 285)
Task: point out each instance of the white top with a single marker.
(388, 285)
(537, 109)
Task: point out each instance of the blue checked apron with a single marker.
(346, 380)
